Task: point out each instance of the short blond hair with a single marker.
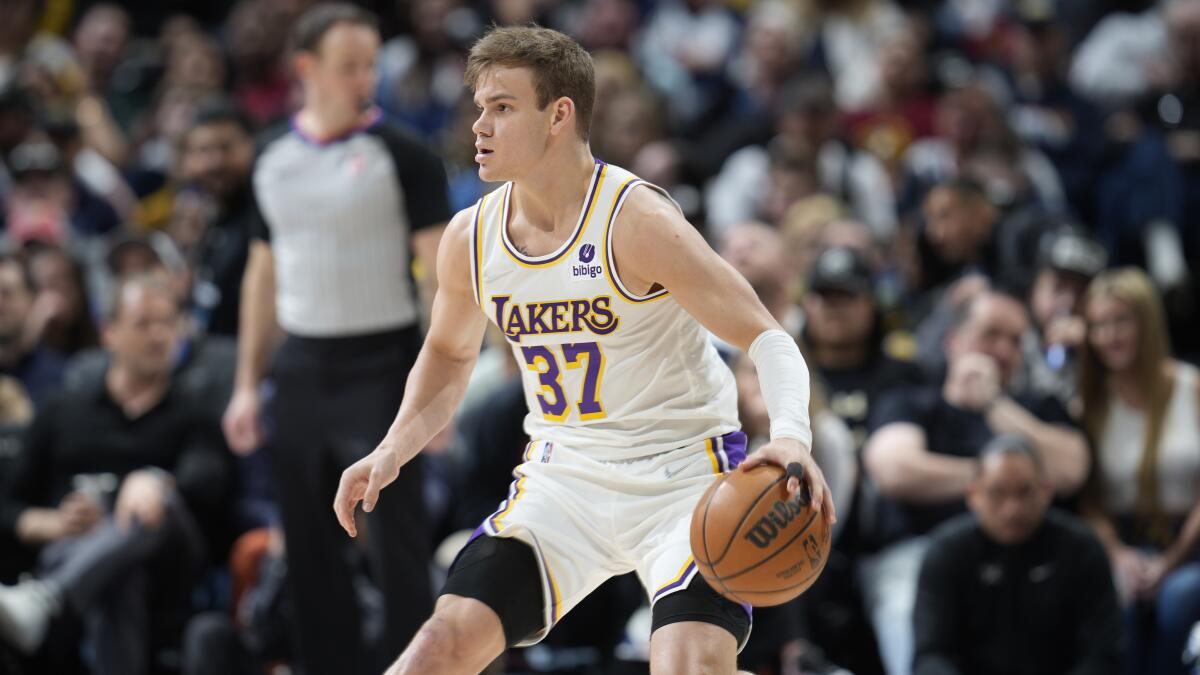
(561, 67)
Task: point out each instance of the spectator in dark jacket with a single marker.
(923, 448)
(113, 486)
(1014, 588)
(218, 152)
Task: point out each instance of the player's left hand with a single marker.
(785, 451)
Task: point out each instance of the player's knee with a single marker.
(696, 658)
(459, 637)
(690, 647)
(713, 661)
(700, 661)
(434, 649)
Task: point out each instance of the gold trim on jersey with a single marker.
(477, 253)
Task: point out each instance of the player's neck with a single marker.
(550, 196)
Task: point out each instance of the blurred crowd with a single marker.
(979, 218)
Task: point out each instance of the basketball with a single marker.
(752, 543)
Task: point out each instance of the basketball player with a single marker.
(605, 292)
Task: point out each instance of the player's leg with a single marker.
(536, 557)
(463, 636)
(692, 647)
(493, 598)
(695, 630)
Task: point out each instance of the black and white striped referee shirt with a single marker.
(339, 215)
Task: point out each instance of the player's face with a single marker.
(341, 73)
(511, 132)
(1009, 498)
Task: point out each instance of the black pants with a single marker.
(335, 399)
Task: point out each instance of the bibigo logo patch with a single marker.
(587, 253)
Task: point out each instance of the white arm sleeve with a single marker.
(783, 379)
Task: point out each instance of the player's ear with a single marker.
(563, 118)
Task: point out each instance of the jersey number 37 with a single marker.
(542, 360)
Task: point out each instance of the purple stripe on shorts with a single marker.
(513, 491)
(735, 448)
(678, 582)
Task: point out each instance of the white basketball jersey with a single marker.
(614, 374)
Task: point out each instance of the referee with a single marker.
(345, 201)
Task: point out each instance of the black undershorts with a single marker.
(503, 574)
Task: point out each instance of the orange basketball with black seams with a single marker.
(753, 542)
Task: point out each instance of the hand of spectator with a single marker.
(960, 292)
(362, 481)
(36, 526)
(973, 382)
(696, 58)
(1068, 331)
(242, 422)
(142, 499)
(1161, 74)
(1129, 565)
(79, 514)
(1155, 571)
(48, 306)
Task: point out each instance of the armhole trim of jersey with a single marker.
(476, 253)
(610, 268)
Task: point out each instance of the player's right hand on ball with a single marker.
(362, 481)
